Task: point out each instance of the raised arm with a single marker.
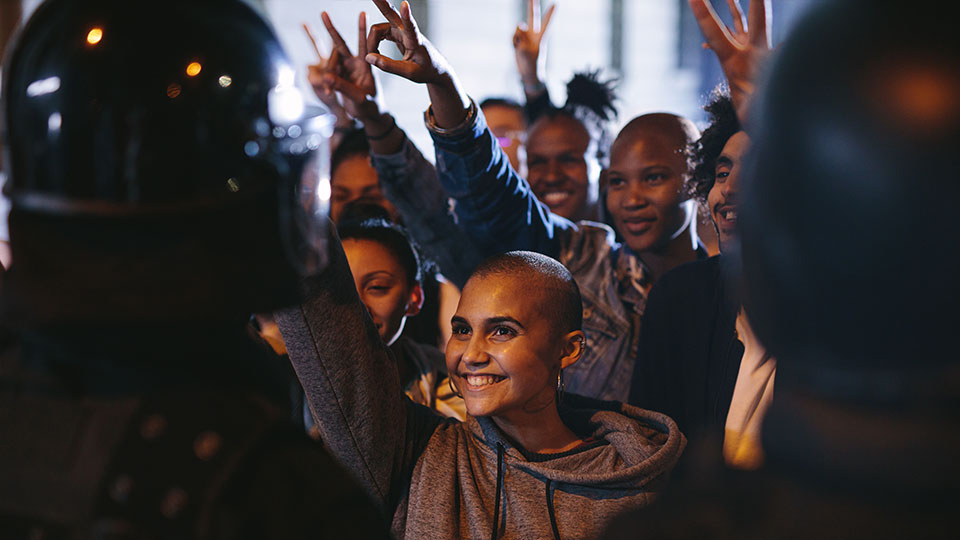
(494, 205)
(741, 50)
(407, 179)
(348, 76)
(352, 384)
(527, 46)
(421, 63)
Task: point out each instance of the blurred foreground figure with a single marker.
(164, 184)
(848, 231)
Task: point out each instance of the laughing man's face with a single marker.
(558, 152)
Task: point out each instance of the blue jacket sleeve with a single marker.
(494, 205)
(410, 182)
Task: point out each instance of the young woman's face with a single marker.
(504, 353)
(722, 198)
(645, 192)
(558, 166)
(355, 179)
(382, 284)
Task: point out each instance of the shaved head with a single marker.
(675, 131)
(559, 293)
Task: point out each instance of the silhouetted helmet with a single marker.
(170, 134)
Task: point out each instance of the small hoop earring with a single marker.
(453, 387)
(560, 386)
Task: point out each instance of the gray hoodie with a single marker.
(439, 478)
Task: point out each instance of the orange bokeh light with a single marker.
(94, 35)
(193, 69)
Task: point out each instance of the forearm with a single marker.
(495, 206)
(410, 182)
(448, 101)
(383, 134)
(350, 380)
(537, 105)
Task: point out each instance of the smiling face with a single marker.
(504, 354)
(558, 170)
(383, 286)
(645, 186)
(722, 198)
(355, 179)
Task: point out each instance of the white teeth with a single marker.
(482, 380)
(730, 215)
(555, 197)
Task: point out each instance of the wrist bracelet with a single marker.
(393, 124)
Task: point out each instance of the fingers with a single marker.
(546, 19)
(716, 33)
(759, 23)
(349, 90)
(333, 62)
(313, 41)
(410, 28)
(739, 21)
(378, 33)
(389, 12)
(410, 32)
(362, 35)
(338, 43)
(402, 68)
(530, 12)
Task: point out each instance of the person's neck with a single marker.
(681, 249)
(541, 432)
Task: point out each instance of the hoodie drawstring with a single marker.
(550, 510)
(496, 503)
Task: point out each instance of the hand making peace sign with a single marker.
(741, 51)
(527, 41)
(345, 72)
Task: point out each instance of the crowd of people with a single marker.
(230, 316)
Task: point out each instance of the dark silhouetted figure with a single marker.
(164, 184)
(850, 275)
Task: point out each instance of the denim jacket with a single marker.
(496, 211)
(410, 183)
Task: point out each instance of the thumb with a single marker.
(396, 67)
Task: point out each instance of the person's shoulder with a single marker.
(588, 243)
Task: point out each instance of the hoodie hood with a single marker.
(640, 445)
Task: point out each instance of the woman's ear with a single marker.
(574, 345)
(415, 301)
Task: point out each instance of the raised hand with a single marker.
(348, 74)
(740, 51)
(526, 44)
(315, 74)
(421, 62)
